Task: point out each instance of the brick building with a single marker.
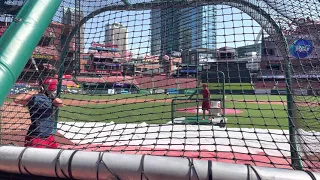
(305, 69)
(47, 53)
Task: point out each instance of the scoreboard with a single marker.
(196, 57)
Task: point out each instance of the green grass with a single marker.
(256, 97)
(265, 116)
(121, 96)
(307, 118)
(125, 113)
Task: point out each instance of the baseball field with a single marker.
(260, 127)
(256, 111)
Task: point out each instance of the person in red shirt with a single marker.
(206, 101)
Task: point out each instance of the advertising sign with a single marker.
(111, 91)
(301, 92)
(173, 91)
(159, 91)
(301, 48)
(302, 76)
(117, 84)
(206, 57)
(42, 56)
(262, 91)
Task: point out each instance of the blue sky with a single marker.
(234, 28)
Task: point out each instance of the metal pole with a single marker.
(223, 95)
(65, 47)
(21, 38)
(101, 165)
(198, 82)
(172, 110)
(295, 157)
(64, 51)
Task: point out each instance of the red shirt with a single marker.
(205, 94)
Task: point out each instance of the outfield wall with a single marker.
(22, 89)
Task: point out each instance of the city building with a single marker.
(155, 27)
(176, 29)
(72, 17)
(101, 64)
(46, 54)
(117, 34)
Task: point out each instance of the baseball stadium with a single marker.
(126, 89)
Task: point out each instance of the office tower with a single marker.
(117, 34)
(175, 29)
(72, 17)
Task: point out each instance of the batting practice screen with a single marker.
(127, 89)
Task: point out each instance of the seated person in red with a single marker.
(40, 105)
(206, 101)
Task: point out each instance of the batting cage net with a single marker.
(206, 81)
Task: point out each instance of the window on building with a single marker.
(226, 55)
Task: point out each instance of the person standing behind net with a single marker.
(40, 104)
(206, 101)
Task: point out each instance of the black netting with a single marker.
(131, 74)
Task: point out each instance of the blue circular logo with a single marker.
(301, 48)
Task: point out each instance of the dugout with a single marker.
(104, 88)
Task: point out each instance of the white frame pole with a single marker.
(101, 165)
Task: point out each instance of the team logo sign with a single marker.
(301, 48)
